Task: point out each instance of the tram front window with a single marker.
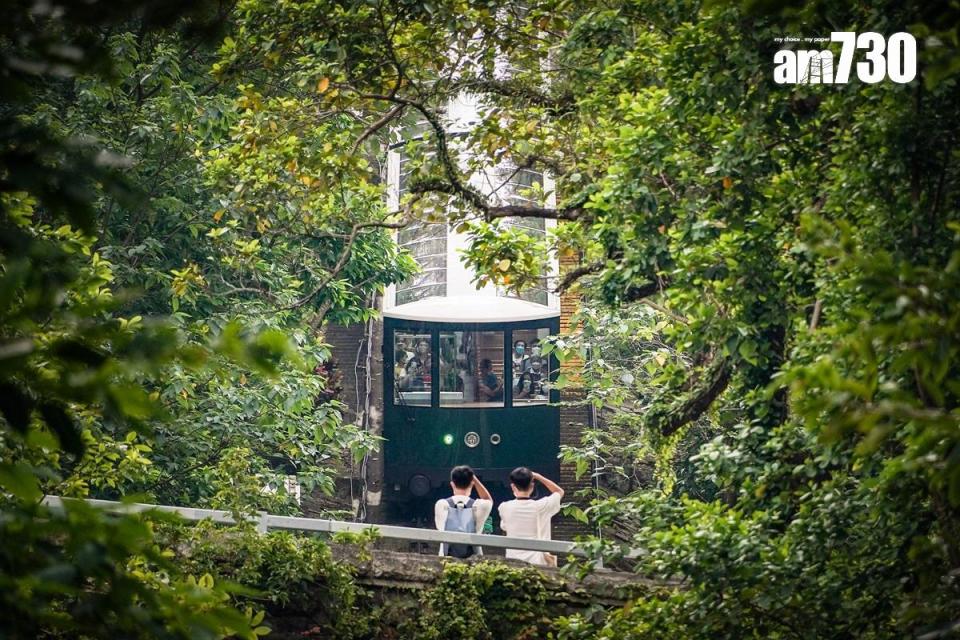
(412, 366)
(530, 369)
(471, 369)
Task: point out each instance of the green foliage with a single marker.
(290, 571)
(295, 578)
(136, 347)
(793, 369)
(360, 541)
(230, 269)
(484, 600)
(772, 269)
(70, 372)
(241, 484)
(625, 367)
(80, 574)
(842, 554)
(508, 257)
(890, 376)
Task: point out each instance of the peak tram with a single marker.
(465, 382)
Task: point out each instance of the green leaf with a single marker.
(132, 401)
(20, 480)
(577, 514)
(748, 351)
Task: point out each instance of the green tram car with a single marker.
(458, 389)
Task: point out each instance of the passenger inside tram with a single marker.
(489, 386)
(400, 358)
(519, 356)
(531, 385)
(533, 355)
(417, 370)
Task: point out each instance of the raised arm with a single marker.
(482, 491)
(551, 486)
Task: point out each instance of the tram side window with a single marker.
(529, 368)
(412, 361)
(471, 369)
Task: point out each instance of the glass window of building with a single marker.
(523, 188)
(471, 369)
(412, 362)
(530, 368)
(427, 243)
(412, 153)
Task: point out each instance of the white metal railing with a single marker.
(266, 521)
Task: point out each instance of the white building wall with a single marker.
(461, 115)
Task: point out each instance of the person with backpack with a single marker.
(460, 512)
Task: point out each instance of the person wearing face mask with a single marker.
(533, 353)
(519, 356)
(531, 384)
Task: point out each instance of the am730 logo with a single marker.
(894, 58)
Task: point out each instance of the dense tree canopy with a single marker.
(146, 349)
(797, 247)
(769, 277)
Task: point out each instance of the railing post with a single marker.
(262, 521)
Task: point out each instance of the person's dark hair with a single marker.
(519, 340)
(521, 477)
(461, 476)
(486, 363)
(400, 356)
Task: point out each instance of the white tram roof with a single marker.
(471, 309)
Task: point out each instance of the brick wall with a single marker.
(573, 419)
(344, 341)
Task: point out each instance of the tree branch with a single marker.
(574, 275)
(639, 292)
(343, 259)
(667, 312)
(564, 103)
(454, 185)
(573, 211)
(667, 419)
(815, 319)
(376, 126)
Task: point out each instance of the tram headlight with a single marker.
(448, 439)
(419, 485)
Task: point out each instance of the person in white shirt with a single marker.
(463, 481)
(527, 518)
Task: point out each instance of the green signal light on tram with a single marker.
(448, 439)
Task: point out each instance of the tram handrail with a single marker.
(266, 521)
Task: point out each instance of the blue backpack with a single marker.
(459, 518)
